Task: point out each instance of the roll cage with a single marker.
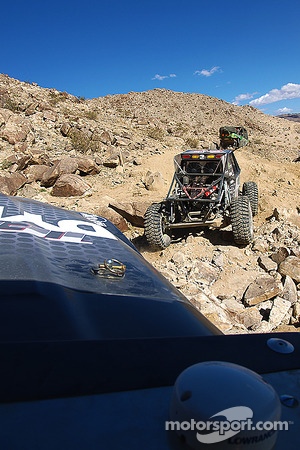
(202, 186)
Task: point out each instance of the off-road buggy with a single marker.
(233, 137)
(205, 192)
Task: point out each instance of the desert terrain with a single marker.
(123, 147)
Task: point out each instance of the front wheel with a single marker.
(241, 220)
(155, 226)
(251, 190)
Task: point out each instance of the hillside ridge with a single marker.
(112, 156)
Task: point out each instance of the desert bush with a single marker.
(9, 103)
(57, 97)
(192, 142)
(6, 164)
(80, 141)
(92, 115)
(156, 133)
(181, 129)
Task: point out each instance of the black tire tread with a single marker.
(241, 220)
(153, 227)
(251, 190)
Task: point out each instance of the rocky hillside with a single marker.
(113, 156)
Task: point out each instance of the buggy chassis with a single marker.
(204, 192)
(207, 197)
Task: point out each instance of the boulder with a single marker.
(112, 158)
(64, 166)
(87, 166)
(289, 290)
(70, 185)
(10, 183)
(154, 181)
(278, 311)
(250, 317)
(15, 129)
(215, 312)
(133, 212)
(36, 172)
(65, 128)
(267, 263)
(38, 156)
(114, 217)
(280, 254)
(263, 288)
(291, 267)
(204, 273)
(105, 137)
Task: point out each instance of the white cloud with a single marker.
(284, 110)
(162, 77)
(288, 91)
(207, 73)
(241, 97)
(159, 77)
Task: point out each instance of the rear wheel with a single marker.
(155, 226)
(251, 190)
(241, 220)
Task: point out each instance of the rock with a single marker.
(114, 217)
(281, 214)
(23, 162)
(137, 161)
(69, 185)
(279, 310)
(260, 245)
(15, 130)
(65, 128)
(36, 172)
(277, 234)
(27, 191)
(250, 317)
(66, 165)
(31, 109)
(295, 251)
(204, 273)
(133, 212)
(10, 183)
(121, 142)
(49, 115)
(280, 254)
(105, 137)
(289, 290)
(87, 166)
(263, 327)
(233, 306)
(179, 259)
(267, 264)
(218, 259)
(263, 288)
(296, 311)
(214, 312)
(265, 309)
(291, 267)
(38, 156)
(154, 181)
(112, 158)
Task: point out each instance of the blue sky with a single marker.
(242, 52)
